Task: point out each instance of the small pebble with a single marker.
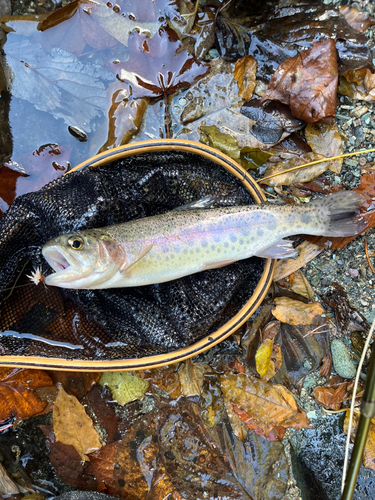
(341, 359)
(353, 272)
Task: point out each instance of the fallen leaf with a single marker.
(268, 406)
(358, 84)
(218, 140)
(124, 115)
(103, 464)
(17, 392)
(191, 377)
(331, 397)
(158, 66)
(76, 383)
(307, 83)
(9, 179)
(102, 413)
(72, 425)
(164, 379)
(294, 312)
(212, 401)
(297, 283)
(125, 386)
(305, 174)
(245, 74)
(273, 120)
(357, 19)
(268, 359)
(325, 139)
(57, 82)
(346, 315)
(306, 252)
(68, 464)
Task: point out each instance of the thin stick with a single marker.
(368, 257)
(18, 277)
(360, 364)
(356, 153)
(166, 116)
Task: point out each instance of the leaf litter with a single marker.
(219, 412)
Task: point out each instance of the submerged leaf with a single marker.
(125, 386)
(57, 82)
(159, 65)
(223, 142)
(369, 451)
(72, 425)
(17, 392)
(262, 406)
(308, 83)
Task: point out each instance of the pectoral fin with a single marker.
(216, 265)
(130, 267)
(282, 249)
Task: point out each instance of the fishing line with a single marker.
(355, 153)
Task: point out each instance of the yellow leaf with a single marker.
(245, 74)
(73, 426)
(305, 174)
(358, 84)
(325, 139)
(268, 359)
(295, 312)
(125, 386)
(369, 453)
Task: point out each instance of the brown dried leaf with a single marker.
(358, 84)
(325, 139)
(103, 464)
(17, 392)
(307, 82)
(306, 252)
(245, 74)
(357, 19)
(267, 406)
(331, 397)
(295, 312)
(72, 425)
(305, 174)
(297, 283)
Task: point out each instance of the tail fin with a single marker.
(340, 213)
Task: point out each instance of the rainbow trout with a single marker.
(178, 243)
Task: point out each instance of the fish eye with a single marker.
(76, 243)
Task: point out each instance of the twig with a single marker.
(368, 256)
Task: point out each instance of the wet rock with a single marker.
(342, 362)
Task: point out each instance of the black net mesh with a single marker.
(116, 323)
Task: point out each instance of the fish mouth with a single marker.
(56, 260)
